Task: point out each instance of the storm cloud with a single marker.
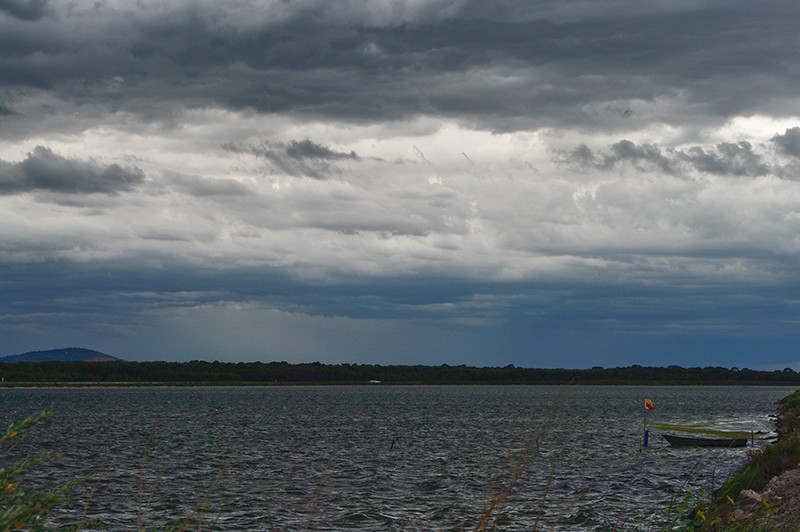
(543, 65)
(789, 142)
(24, 9)
(44, 170)
(726, 158)
(538, 183)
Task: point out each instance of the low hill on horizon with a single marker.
(67, 354)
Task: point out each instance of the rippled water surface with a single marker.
(380, 458)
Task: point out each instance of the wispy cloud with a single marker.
(296, 158)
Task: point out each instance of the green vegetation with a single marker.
(24, 508)
(20, 506)
(260, 373)
(733, 506)
(789, 419)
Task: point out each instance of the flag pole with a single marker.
(648, 405)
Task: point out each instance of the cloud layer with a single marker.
(549, 183)
(44, 170)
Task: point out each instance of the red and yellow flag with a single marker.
(648, 404)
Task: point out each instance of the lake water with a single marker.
(381, 457)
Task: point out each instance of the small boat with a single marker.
(685, 441)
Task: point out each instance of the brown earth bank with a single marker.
(765, 494)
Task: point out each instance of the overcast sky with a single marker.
(548, 183)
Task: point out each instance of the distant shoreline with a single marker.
(201, 373)
(111, 385)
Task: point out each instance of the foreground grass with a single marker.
(25, 508)
(22, 507)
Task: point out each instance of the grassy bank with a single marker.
(765, 493)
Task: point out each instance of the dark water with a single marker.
(380, 458)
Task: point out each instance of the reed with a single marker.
(524, 447)
(22, 507)
(26, 508)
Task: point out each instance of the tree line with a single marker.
(203, 372)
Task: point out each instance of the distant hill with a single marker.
(67, 354)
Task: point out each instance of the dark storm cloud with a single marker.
(123, 289)
(726, 158)
(297, 158)
(520, 67)
(789, 142)
(45, 170)
(735, 159)
(624, 151)
(24, 9)
(118, 298)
